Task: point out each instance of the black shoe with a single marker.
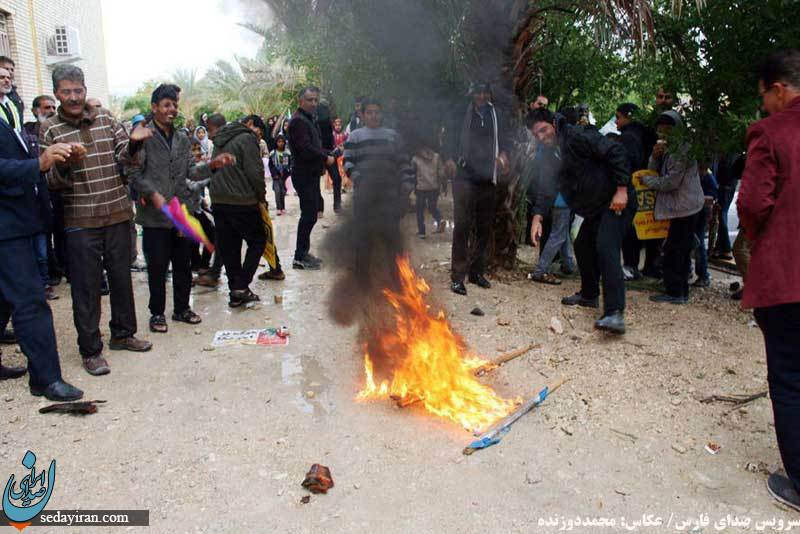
(578, 300)
(702, 282)
(669, 299)
(784, 491)
(240, 297)
(738, 295)
(313, 259)
(57, 391)
(458, 288)
(306, 265)
(8, 338)
(612, 322)
(480, 281)
(10, 373)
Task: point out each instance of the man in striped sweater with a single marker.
(97, 214)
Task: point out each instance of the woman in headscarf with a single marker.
(206, 147)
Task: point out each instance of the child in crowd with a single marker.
(431, 179)
(280, 164)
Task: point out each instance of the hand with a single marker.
(502, 162)
(659, 148)
(140, 133)
(450, 168)
(536, 230)
(158, 200)
(620, 200)
(329, 161)
(223, 160)
(57, 153)
(78, 152)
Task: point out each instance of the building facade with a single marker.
(40, 34)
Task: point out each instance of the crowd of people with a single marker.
(76, 183)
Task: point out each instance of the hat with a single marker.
(480, 87)
(136, 120)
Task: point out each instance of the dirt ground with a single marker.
(219, 441)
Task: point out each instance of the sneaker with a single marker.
(96, 366)
(313, 259)
(130, 343)
(306, 265)
(206, 280)
(664, 298)
(702, 282)
(421, 236)
(240, 297)
(578, 300)
(782, 489)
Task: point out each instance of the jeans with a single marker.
(163, 246)
(474, 208)
(89, 250)
(40, 249)
(234, 225)
(559, 241)
(725, 197)
(429, 200)
(701, 252)
(307, 188)
(279, 187)
(22, 300)
(781, 328)
(677, 255)
(598, 249)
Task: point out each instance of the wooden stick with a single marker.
(491, 365)
(737, 400)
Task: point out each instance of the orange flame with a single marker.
(432, 366)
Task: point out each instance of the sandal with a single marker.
(545, 278)
(158, 324)
(187, 316)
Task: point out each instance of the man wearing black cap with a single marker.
(477, 157)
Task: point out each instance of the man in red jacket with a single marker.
(769, 210)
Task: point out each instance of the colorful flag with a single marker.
(186, 223)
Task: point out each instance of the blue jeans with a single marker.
(40, 250)
(781, 328)
(559, 241)
(701, 252)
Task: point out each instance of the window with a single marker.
(61, 41)
(5, 44)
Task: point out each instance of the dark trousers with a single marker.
(57, 251)
(700, 251)
(163, 246)
(598, 253)
(206, 257)
(474, 208)
(89, 251)
(427, 200)
(677, 256)
(725, 198)
(336, 178)
(279, 187)
(307, 188)
(22, 300)
(236, 224)
(781, 328)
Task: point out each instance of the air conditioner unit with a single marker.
(64, 45)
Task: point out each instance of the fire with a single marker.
(431, 364)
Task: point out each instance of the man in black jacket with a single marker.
(595, 180)
(477, 157)
(310, 159)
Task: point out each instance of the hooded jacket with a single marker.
(638, 142)
(592, 167)
(242, 184)
(678, 182)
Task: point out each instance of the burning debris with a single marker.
(431, 363)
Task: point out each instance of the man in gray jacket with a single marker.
(159, 169)
(679, 200)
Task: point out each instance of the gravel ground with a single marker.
(219, 440)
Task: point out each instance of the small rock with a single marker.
(556, 326)
(314, 385)
(306, 499)
(502, 321)
(212, 378)
(531, 480)
(8, 398)
(14, 419)
(357, 486)
(477, 312)
(197, 332)
(567, 430)
(310, 394)
(281, 492)
(209, 348)
(680, 449)
(676, 402)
